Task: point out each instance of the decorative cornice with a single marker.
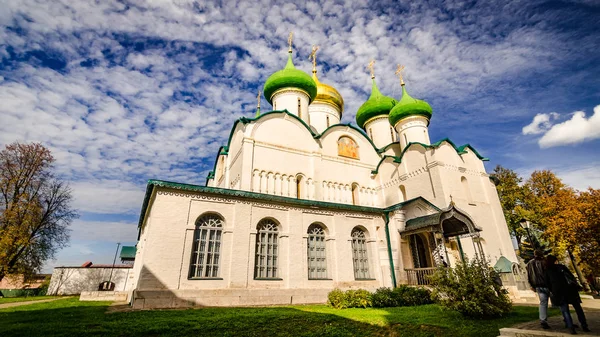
(226, 195)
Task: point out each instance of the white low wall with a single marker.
(113, 296)
(75, 280)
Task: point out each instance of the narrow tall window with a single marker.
(206, 247)
(327, 121)
(355, 193)
(274, 105)
(265, 262)
(466, 189)
(402, 193)
(392, 133)
(371, 133)
(360, 254)
(299, 109)
(299, 182)
(405, 140)
(317, 260)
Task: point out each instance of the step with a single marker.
(512, 332)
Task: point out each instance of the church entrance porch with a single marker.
(428, 238)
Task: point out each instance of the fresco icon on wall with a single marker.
(347, 147)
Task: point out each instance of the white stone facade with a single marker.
(281, 168)
(76, 280)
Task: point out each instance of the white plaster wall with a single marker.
(319, 112)
(166, 265)
(287, 98)
(380, 131)
(413, 129)
(74, 280)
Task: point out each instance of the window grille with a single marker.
(360, 254)
(317, 260)
(206, 247)
(265, 264)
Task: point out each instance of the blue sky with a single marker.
(126, 91)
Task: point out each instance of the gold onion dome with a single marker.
(328, 94)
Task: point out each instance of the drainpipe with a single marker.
(389, 247)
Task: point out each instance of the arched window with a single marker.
(466, 189)
(206, 246)
(347, 147)
(402, 193)
(355, 193)
(360, 254)
(267, 249)
(299, 109)
(317, 259)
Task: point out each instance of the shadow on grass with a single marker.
(70, 317)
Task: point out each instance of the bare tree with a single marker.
(35, 209)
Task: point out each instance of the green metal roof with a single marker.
(127, 253)
(503, 265)
(290, 77)
(377, 105)
(409, 106)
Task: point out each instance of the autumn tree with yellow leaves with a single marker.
(569, 220)
(35, 209)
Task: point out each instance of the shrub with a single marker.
(409, 296)
(384, 297)
(470, 288)
(381, 298)
(359, 298)
(336, 299)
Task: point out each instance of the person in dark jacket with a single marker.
(564, 290)
(536, 269)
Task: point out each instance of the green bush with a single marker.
(471, 289)
(410, 296)
(384, 297)
(359, 298)
(381, 298)
(337, 299)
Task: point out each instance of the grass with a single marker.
(69, 317)
(24, 299)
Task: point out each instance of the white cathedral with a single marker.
(299, 204)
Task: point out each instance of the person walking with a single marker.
(564, 290)
(536, 269)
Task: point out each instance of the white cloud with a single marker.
(540, 124)
(103, 231)
(576, 130)
(581, 177)
(107, 196)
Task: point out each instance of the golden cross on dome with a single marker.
(399, 74)
(313, 57)
(371, 67)
(290, 37)
(258, 99)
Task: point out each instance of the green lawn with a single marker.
(69, 317)
(24, 299)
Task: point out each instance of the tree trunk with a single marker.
(586, 287)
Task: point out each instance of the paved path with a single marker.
(592, 314)
(18, 304)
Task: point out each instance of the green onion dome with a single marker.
(409, 106)
(376, 105)
(290, 77)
